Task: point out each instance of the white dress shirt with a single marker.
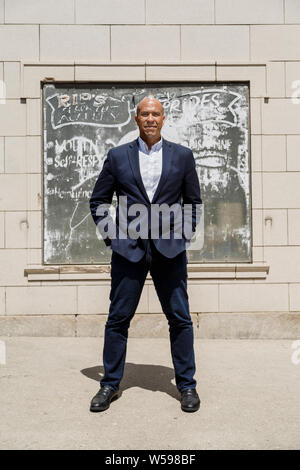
(150, 165)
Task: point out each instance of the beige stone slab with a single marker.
(95, 299)
(41, 300)
(292, 82)
(81, 42)
(255, 74)
(16, 230)
(241, 280)
(42, 270)
(210, 267)
(258, 255)
(280, 116)
(34, 117)
(295, 297)
(2, 229)
(159, 42)
(210, 270)
(80, 277)
(15, 155)
(79, 268)
(1, 154)
(276, 79)
(12, 262)
(110, 72)
(38, 325)
(34, 191)
(220, 42)
(253, 297)
(34, 11)
(3, 95)
(284, 263)
(41, 279)
(203, 298)
(10, 199)
(2, 301)
(275, 227)
(56, 62)
(111, 62)
(12, 78)
(178, 12)
(294, 226)
(33, 75)
(211, 275)
(34, 154)
(256, 268)
(90, 325)
(281, 190)
(263, 325)
(257, 227)
(55, 282)
(90, 277)
(1, 11)
(247, 276)
(23, 229)
(110, 12)
(274, 42)
(248, 325)
(19, 41)
(12, 118)
(256, 147)
(34, 257)
(255, 116)
(293, 153)
(249, 11)
(256, 196)
(292, 11)
(184, 72)
(274, 153)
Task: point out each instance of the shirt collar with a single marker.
(144, 147)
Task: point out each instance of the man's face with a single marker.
(150, 118)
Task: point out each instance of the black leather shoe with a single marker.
(101, 401)
(190, 400)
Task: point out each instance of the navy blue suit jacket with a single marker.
(178, 183)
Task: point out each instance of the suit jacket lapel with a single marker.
(133, 155)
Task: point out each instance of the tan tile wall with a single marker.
(137, 40)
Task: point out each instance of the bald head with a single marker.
(149, 100)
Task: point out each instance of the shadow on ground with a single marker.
(147, 376)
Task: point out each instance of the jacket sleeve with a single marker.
(191, 197)
(103, 193)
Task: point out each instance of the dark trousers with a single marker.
(170, 280)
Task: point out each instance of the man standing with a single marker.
(150, 171)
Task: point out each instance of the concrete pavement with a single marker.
(249, 391)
